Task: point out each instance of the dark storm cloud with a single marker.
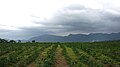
(35, 31)
(4, 33)
(78, 19)
(74, 19)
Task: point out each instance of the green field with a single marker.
(70, 54)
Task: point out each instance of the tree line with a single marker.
(7, 41)
(13, 41)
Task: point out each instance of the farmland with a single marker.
(69, 54)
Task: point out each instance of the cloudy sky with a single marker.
(23, 19)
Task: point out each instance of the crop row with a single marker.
(76, 54)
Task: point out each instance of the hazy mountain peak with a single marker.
(77, 37)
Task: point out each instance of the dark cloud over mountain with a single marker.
(74, 19)
(78, 19)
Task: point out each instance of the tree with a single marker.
(12, 41)
(33, 41)
(3, 41)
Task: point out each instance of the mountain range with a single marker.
(77, 37)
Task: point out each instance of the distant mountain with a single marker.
(77, 37)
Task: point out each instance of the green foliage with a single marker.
(77, 54)
(3, 41)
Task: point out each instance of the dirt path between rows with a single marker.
(60, 60)
(40, 57)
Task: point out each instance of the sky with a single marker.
(23, 19)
